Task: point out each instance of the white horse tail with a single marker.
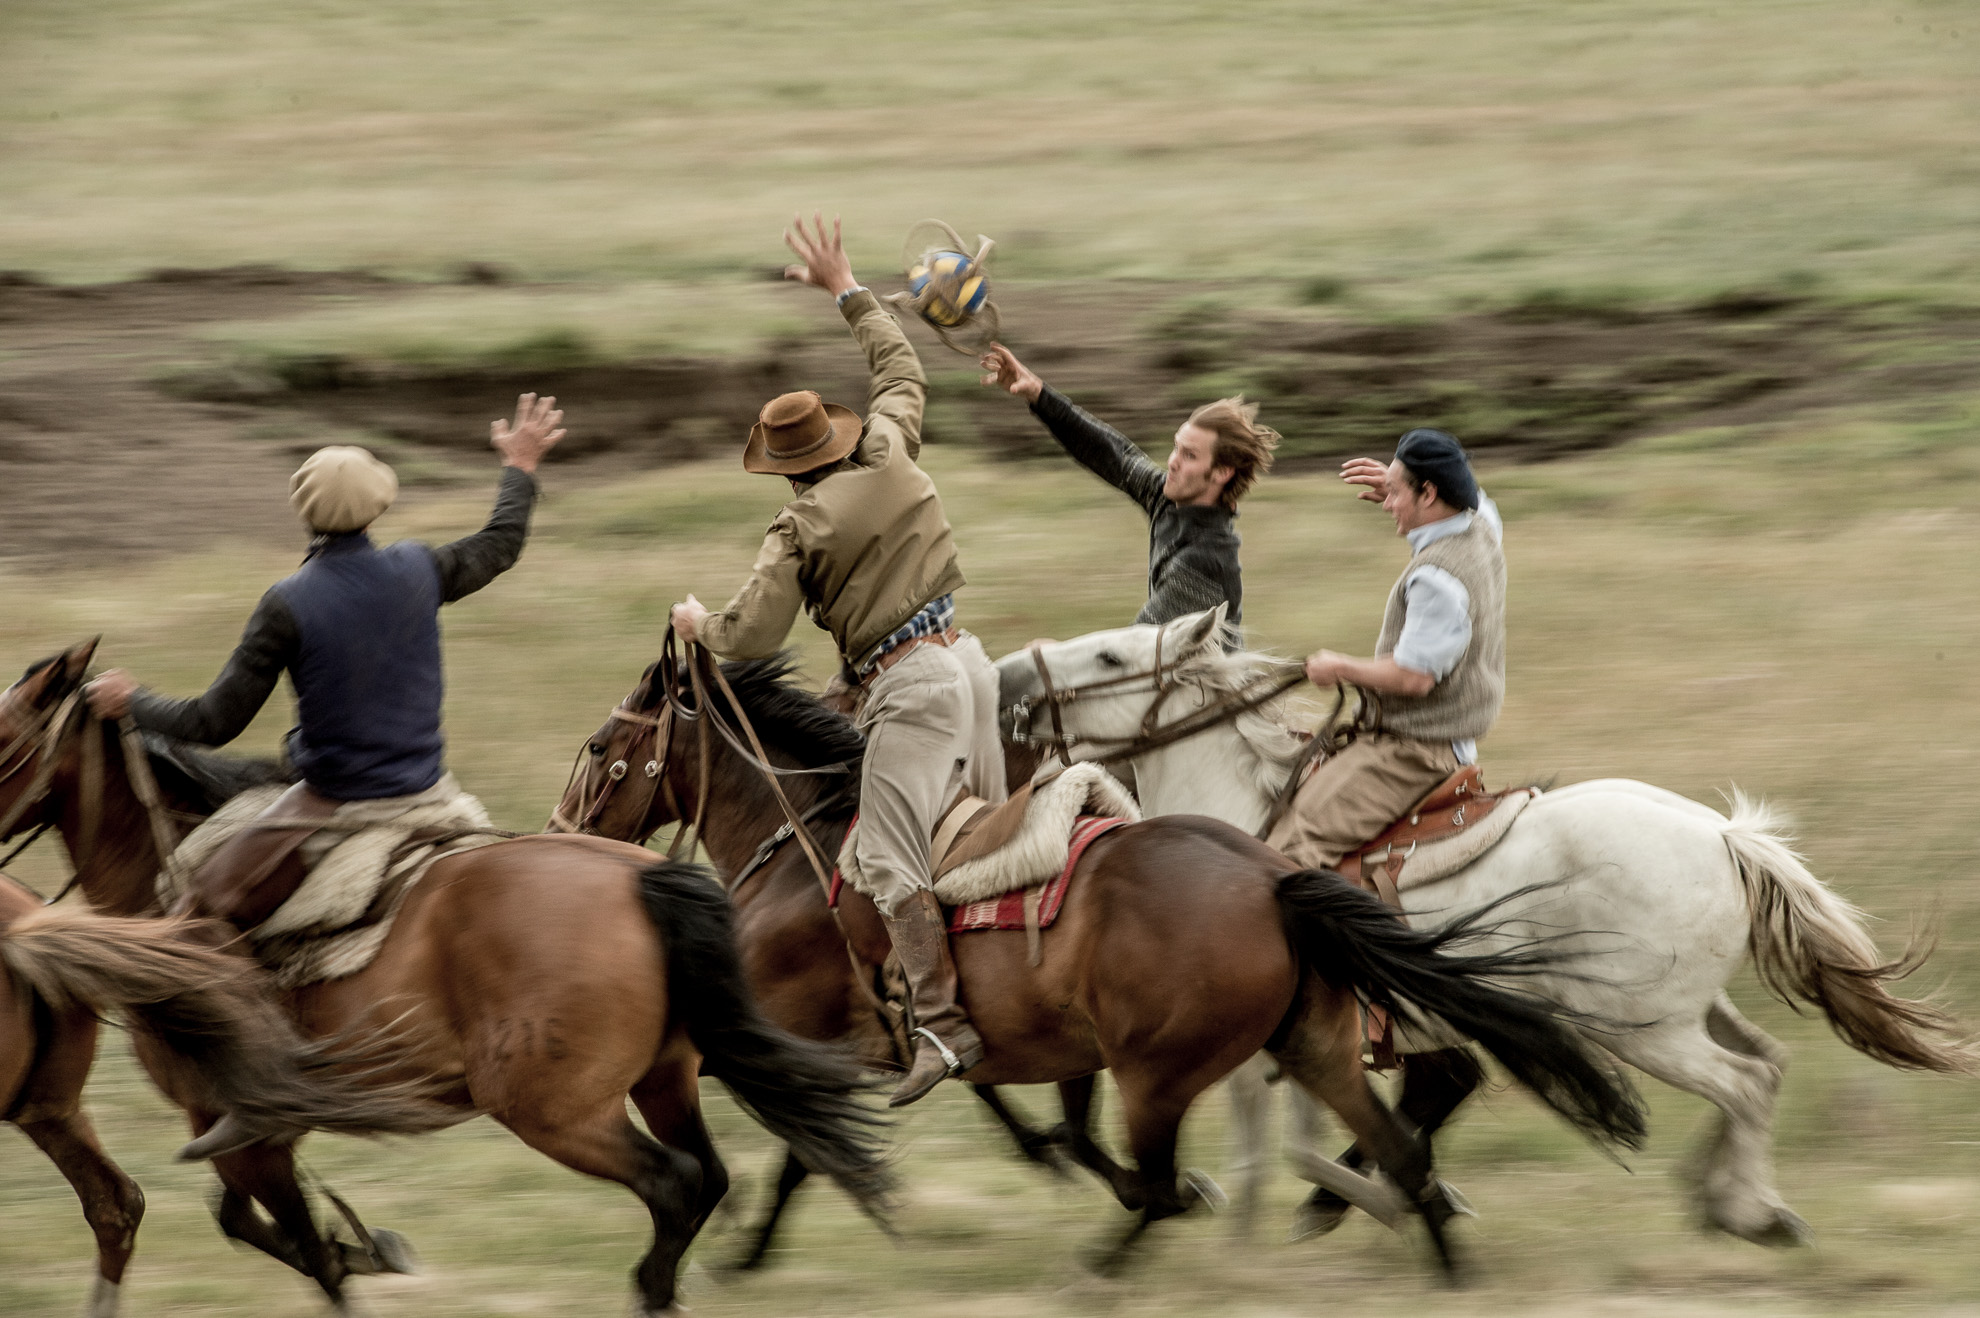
(1810, 944)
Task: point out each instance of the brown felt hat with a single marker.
(800, 432)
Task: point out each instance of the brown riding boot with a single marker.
(944, 1043)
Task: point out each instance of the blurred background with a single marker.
(1696, 281)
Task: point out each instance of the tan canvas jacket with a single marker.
(867, 546)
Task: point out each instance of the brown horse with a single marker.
(61, 969)
(1183, 947)
(541, 981)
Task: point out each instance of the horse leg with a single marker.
(670, 1100)
(1323, 1056)
(606, 1144)
(1435, 1084)
(1077, 1097)
(1728, 1061)
(1251, 1120)
(267, 1173)
(1037, 1146)
(1154, 1105)
(791, 1176)
(111, 1201)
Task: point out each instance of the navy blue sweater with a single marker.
(357, 629)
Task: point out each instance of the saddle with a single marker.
(1458, 804)
(260, 867)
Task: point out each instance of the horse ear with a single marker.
(1201, 630)
(61, 675)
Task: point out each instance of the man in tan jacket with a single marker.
(866, 549)
(1440, 660)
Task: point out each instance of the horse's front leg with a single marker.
(1043, 1147)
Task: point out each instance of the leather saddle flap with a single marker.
(977, 828)
(257, 869)
(1458, 803)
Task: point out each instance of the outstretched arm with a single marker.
(268, 645)
(1094, 444)
(754, 624)
(898, 395)
(468, 564)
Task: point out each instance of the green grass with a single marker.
(1419, 154)
(1777, 609)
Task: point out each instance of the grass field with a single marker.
(1789, 605)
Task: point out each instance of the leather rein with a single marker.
(1164, 681)
(41, 744)
(702, 713)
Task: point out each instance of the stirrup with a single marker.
(948, 1054)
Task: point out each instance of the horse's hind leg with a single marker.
(606, 1144)
(1077, 1098)
(669, 1097)
(1323, 1055)
(1435, 1085)
(1251, 1126)
(1728, 1061)
(111, 1201)
(789, 1178)
(1037, 1146)
(267, 1173)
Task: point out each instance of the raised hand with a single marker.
(534, 433)
(824, 264)
(1371, 472)
(1010, 374)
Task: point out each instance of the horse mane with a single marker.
(789, 717)
(196, 774)
(1266, 732)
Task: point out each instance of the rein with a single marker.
(51, 731)
(1153, 734)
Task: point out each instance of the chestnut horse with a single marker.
(541, 981)
(1183, 947)
(63, 968)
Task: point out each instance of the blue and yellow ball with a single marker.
(946, 291)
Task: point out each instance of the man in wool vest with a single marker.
(866, 548)
(1440, 660)
(357, 629)
(1191, 501)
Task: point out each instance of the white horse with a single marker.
(1667, 896)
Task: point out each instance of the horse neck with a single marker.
(119, 876)
(742, 808)
(1213, 773)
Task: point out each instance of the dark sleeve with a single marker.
(468, 564)
(269, 645)
(1101, 449)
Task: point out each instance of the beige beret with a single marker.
(342, 488)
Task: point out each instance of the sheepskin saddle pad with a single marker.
(981, 853)
(361, 864)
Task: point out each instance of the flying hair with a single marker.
(1242, 444)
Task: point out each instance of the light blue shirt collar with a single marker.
(1431, 532)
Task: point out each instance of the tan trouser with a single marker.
(931, 728)
(1353, 796)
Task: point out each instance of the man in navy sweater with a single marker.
(357, 629)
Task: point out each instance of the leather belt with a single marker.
(901, 651)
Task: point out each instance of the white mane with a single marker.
(1266, 732)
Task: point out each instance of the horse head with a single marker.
(1103, 685)
(35, 716)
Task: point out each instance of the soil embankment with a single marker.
(121, 432)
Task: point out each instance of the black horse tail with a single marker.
(806, 1094)
(1351, 940)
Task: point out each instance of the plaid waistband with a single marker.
(936, 616)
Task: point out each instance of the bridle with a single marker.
(41, 742)
(703, 714)
(1164, 679)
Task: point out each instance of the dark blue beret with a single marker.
(1436, 457)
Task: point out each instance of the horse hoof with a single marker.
(227, 1135)
(1458, 1204)
(102, 1300)
(394, 1252)
(1311, 1219)
(1786, 1231)
(1198, 1185)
